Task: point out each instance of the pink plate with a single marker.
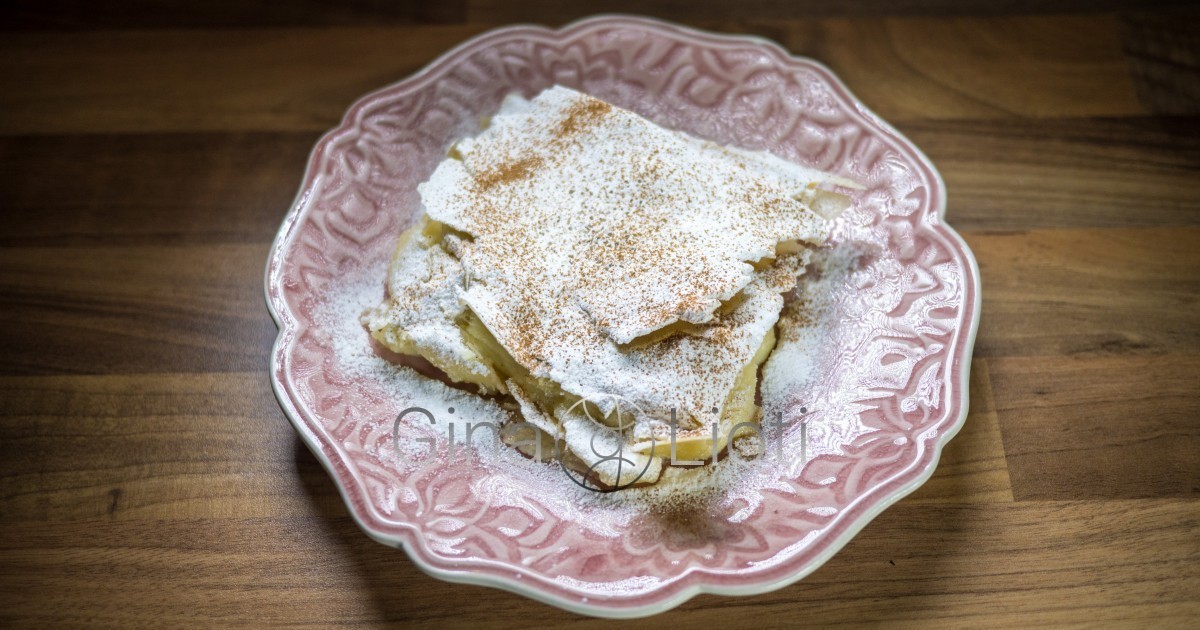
(892, 379)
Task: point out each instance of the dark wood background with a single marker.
(149, 150)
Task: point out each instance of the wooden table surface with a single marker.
(148, 154)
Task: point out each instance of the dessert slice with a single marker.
(420, 317)
(594, 266)
(591, 227)
(424, 316)
(574, 204)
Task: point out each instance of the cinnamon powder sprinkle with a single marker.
(580, 116)
(577, 119)
(508, 173)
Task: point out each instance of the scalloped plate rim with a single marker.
(299, 208)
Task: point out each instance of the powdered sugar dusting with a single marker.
(424, 304)
(803, 372)
(593, 227)
(358, 359)
(721, 485)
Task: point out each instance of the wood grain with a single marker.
(1010, 565)
(204, 80)
(303, 79)
(1006, 175)
(980, 67)
(152, 308)
(1164, 59)
(558, 11)
(163, 446)
(1130, 291)
(81, 15)
(148, 152)
(148, 189)
(1100, 427)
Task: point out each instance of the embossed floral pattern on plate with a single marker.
(896, 369)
